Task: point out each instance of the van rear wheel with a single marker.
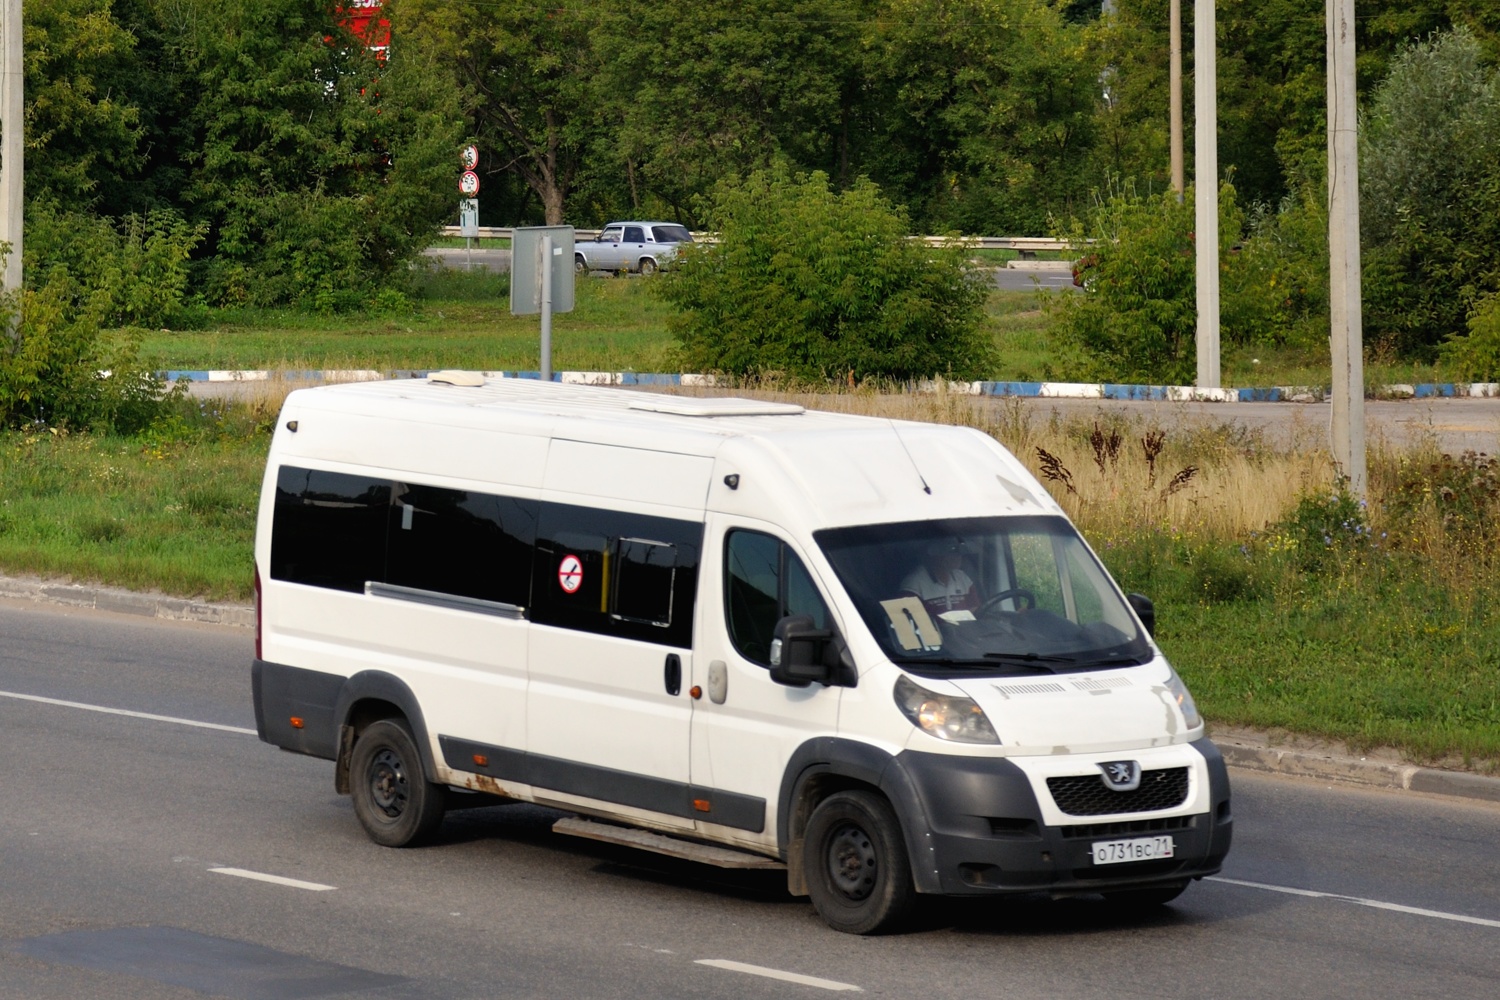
(393, 799)
(858, 874)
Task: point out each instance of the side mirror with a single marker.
(1144, 610)
(799, 651)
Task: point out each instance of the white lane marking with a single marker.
(121, 711)
(1374, 903)
(274, 879)
(786, 977)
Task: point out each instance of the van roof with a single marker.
(851, 469)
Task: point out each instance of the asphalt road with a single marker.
(499, 260)
(116, 831)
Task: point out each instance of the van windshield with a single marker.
(992, 594)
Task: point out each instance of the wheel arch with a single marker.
(369, 696)
(819, 768)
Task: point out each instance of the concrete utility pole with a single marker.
(1346, 336)
(1174, 82)
(12, 141)
(1206, 191)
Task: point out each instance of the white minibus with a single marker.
(874, 653)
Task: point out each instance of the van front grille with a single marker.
(1088, 795)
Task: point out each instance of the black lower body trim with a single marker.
(673, 798)
(294, 708)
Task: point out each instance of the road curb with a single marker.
(127, 602)
(1239, 752)
(1324, 766)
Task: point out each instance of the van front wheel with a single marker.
(395, 803)
(858, 874)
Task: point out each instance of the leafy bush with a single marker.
(61, 370)
(813, 283)
(133, 271)
(1138, 319)
(1477, 355)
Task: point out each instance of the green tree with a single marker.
(693, 92)
(527, 78)
(814, 283)
(984, 111)
(1430, 193)
(320, 171)
(82, 136)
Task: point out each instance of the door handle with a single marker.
(673, 674)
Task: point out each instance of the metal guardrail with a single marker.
(1022, 244)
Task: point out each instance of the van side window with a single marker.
(329, 528)
(460, 542)
(642, 583)
(616, 573)
(764, 581)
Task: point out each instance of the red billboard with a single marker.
(365, 21)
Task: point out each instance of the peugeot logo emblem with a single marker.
(1121, 775)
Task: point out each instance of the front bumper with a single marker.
(983, 831)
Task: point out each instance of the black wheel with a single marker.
(580, 266)
(1145, 899)
(855, 859)
(1021, 594)
(395, 803)
(648, 266)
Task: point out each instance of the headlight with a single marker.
(947, 717)
(1179, 693)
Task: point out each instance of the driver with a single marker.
(940, 581)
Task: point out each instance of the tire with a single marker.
(580, 266)
(1144, 899)
(648, 266)
(858, 874)
(393, 799)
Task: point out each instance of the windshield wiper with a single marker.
(938, 661)
(1037, 660)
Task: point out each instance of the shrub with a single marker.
(132, 271)
(62, 370)
(812, 283)
(1138, 319)
(1476, 356)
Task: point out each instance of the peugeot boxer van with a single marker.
(873, 653)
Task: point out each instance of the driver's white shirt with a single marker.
(958, 594)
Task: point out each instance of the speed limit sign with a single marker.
(468, 184)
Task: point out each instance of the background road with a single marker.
(499, 260)
(112, 826)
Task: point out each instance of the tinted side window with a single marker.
(634, 234)
(764, 581)
(460, 542)
(629, 575)
(329, 528)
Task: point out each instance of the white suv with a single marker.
(630, 246)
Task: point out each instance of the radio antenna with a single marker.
(925, 488)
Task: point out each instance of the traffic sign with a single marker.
(468, 184)
(470, 157)
(468, 217)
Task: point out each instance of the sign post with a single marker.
(541, 279)
(468, 209)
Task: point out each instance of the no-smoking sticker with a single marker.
(570, 574)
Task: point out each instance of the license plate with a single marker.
(1113, 852)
